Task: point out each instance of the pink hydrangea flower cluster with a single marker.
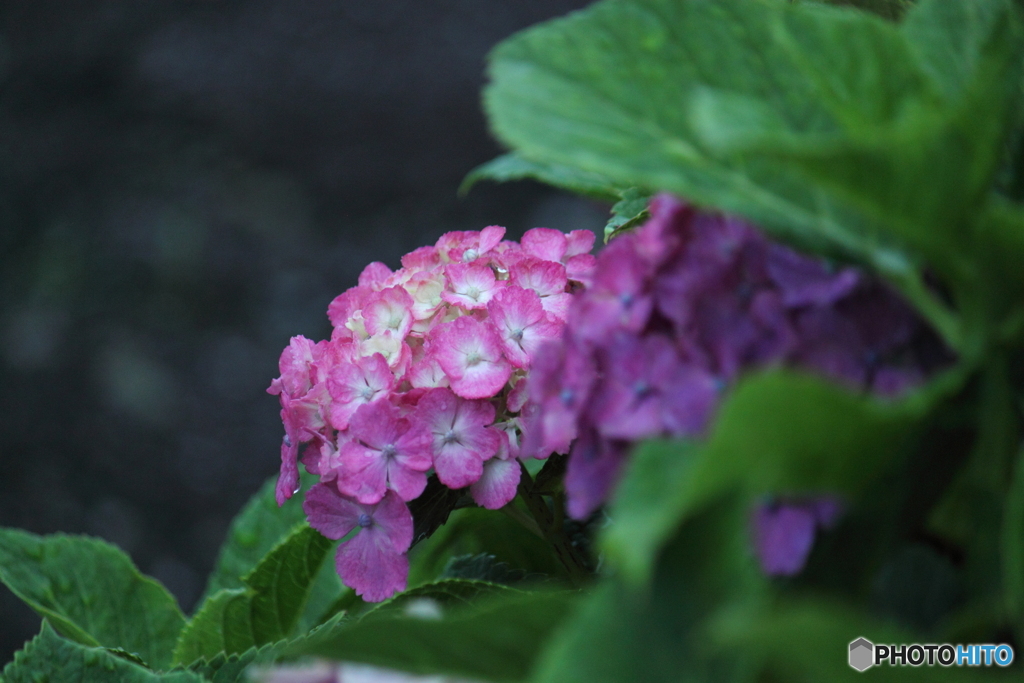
(423, 372)
(676, 311)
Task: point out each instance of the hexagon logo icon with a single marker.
(862, 653)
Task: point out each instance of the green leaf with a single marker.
(821, 124)
(656, 632)
(259, 527)
(647, 504)
(222, 625)
(1013, 547)
(267, 610)
(516, 167)
(473, 531)
(281, 583)
(809, 640)
(233, 668)
(91, 592)
(482, 567)
(445, 594)
(628, 212)
(48, 657)
(496, 640)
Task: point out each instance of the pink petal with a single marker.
(364, 473)
(353, 385)
(457, 466)
(375, 273)
(376, 424)
(288, 479)
(329, 513)
(490, 237)
(579, 242)
(371, 566)
(406, 482)
(347, 303)
(298, 366)
(544, 277)
(470, 353)
(498, 484)
(427, 374)
(392, 515)
(581, 268)
(471, 285)
(423, 258)
(544, 243)
(389, 311)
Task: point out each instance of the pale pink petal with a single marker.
(579, 242)
(394, 350)
(347, 303)
(519, 395)
(544, 277)
(489, 238)
(544, 243)
(548, 279)
(425, 289)
(471, 285)
(427, 374)
(374, 275)
(497, 486)
(581, 269)
(423, 258)
(389, 311)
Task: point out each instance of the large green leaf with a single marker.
(267, 610)
(497, 639)
(831, 127)
(514, 167)
(91, 592)
(48, 657)
(259, 527)
(809, 641)
(656, 632)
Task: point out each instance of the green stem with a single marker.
(554, 531)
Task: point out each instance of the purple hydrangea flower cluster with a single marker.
(423, 372)
(676, 311)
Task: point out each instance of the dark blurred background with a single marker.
(184, 186)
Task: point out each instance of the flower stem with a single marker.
(551, 525)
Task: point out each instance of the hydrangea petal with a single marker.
(498, 483)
